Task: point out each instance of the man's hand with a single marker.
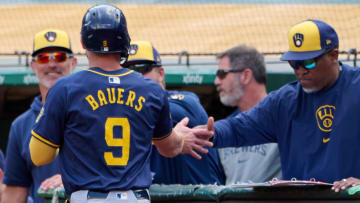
(194, 140)
(345, 183)
(52, 182)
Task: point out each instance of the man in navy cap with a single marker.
(314, 119)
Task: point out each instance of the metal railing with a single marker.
(23, 58)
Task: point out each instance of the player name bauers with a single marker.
(115, 96)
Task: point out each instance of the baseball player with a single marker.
(182, 169)
(314, 120)
(52, 59)
(104, 119)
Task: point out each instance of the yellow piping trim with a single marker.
(163, 137)
(43, 140)
(108, 75)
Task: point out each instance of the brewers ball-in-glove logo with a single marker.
(133, 49)
(325, 119)
(298, 39)
(177, 96)
(50, 36)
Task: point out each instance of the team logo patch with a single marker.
(133, 49)
(114, 80)
(177, 96)
(50, 36)
(325, 117)
(298, 39)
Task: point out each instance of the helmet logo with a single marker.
(105, 46)
(50, 36)
(133, 49)
(298, 39)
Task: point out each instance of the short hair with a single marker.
(242, 57)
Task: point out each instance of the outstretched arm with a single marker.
(184, 140)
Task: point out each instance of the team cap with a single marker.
(143, 52)
(51, 38)
(309, 39)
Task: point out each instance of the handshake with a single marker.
(195, 140)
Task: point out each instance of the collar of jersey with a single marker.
(117, 73)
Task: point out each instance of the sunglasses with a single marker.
(221, 74)
(307, 64)
(142, 68)
(58, 57)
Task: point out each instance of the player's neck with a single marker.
(107, 62)
(105, 65)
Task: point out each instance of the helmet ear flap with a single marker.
(104, 30)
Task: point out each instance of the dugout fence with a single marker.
(228, 194)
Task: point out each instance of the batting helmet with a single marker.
(104, 30)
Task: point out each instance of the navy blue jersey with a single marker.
(184, 169)
(19, 169)
(2, 160)
(318, 133)
(104, 123)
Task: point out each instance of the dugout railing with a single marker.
(229, 194)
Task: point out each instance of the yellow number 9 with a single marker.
(123, 142)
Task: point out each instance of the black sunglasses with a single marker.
(142, 68)
(221, 73)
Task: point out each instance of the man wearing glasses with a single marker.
(314, 120)
(241, 82)
(182, 169)
(52, 59)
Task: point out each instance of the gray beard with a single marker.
(233, 98)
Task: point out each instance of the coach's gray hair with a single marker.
(242, 57)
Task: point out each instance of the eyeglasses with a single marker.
(221, 73)
(308, 64)
(58, 57)
(142, 68)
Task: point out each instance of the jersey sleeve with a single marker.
(49, 129)
(16, 169)
(163, 127)
(256, 126)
